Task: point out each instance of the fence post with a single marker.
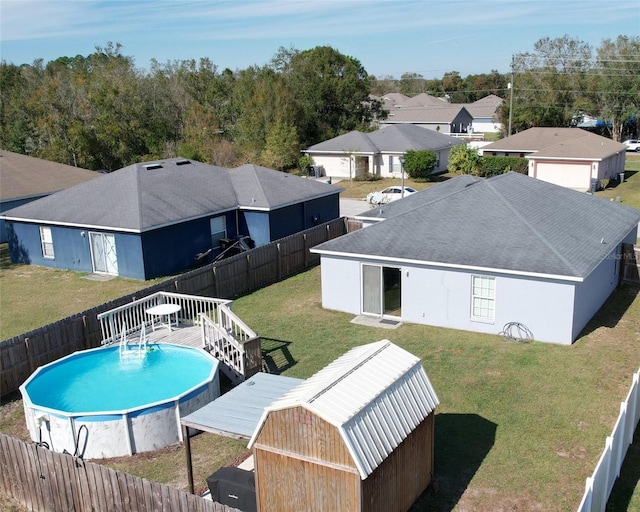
(278, 248)
(28, 349)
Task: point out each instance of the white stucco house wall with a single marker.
(476, 254)
(569, 157)
(356, 153)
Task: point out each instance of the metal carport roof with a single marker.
(236, 413)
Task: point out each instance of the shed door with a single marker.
(103, 253)
(381, 290)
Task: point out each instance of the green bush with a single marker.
(304, 165)
(420, 164)
(494, 165)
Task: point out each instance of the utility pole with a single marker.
(510, 98)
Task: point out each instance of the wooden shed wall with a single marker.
(289, 484)
(301, 463)
(303, 434)
(402, 477)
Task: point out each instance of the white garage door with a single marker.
(577, 176)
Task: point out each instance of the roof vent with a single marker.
(151, 167)
(183, 162)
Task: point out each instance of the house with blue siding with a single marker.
(159, 218)
(483, 255)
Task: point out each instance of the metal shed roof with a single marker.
(375, 395)
(237, 412)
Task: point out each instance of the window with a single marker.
(394, 165)
(218, 231)
(46, 240)
(483, 297)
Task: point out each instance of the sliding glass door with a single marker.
(103, 253)
(381, 290)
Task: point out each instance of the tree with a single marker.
(332, 91)
(281, 148)
(412, 84)
(419, 164)
(465, 160)
(618, 83)
(548, 80)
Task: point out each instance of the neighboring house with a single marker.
(477, 254)
(25, 178)
(356, 153)
(447, 118)
(569, 157)
(484, 113)
(438, 114)
(356, 436)
(154, 219)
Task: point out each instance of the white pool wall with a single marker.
(119, 433)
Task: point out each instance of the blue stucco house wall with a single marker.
(151, 220)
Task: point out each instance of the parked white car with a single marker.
(389, 194)
(633, 145)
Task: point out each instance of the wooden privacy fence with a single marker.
(599, 485)
(43, 480)
(229, 278)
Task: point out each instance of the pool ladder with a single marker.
(127, 350)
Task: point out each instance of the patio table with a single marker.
(163, 310)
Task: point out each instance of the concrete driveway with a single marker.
(353, 207)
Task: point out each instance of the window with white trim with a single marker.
(46, 241)
(218, 231)
(483, 298)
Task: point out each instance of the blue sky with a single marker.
(388, 37)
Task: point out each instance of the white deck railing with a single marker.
(225, 338)
(224, 335)
(133, 315)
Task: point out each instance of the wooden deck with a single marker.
(187, 336)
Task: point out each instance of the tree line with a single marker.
(101, 112)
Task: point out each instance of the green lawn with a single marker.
(32, 296)
(520, 426)
(629, 191)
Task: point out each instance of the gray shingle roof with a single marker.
(509, 222)
(260, 187)
(352, 142)
(445, 113)
(389, 139)
(148, 195)
(403, 138)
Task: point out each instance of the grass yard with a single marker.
(32, 296)
(629, 191)
(520, 426)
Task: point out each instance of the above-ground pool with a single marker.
(100, 403)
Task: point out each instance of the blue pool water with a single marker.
(98, 380)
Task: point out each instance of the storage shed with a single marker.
(356, 436)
